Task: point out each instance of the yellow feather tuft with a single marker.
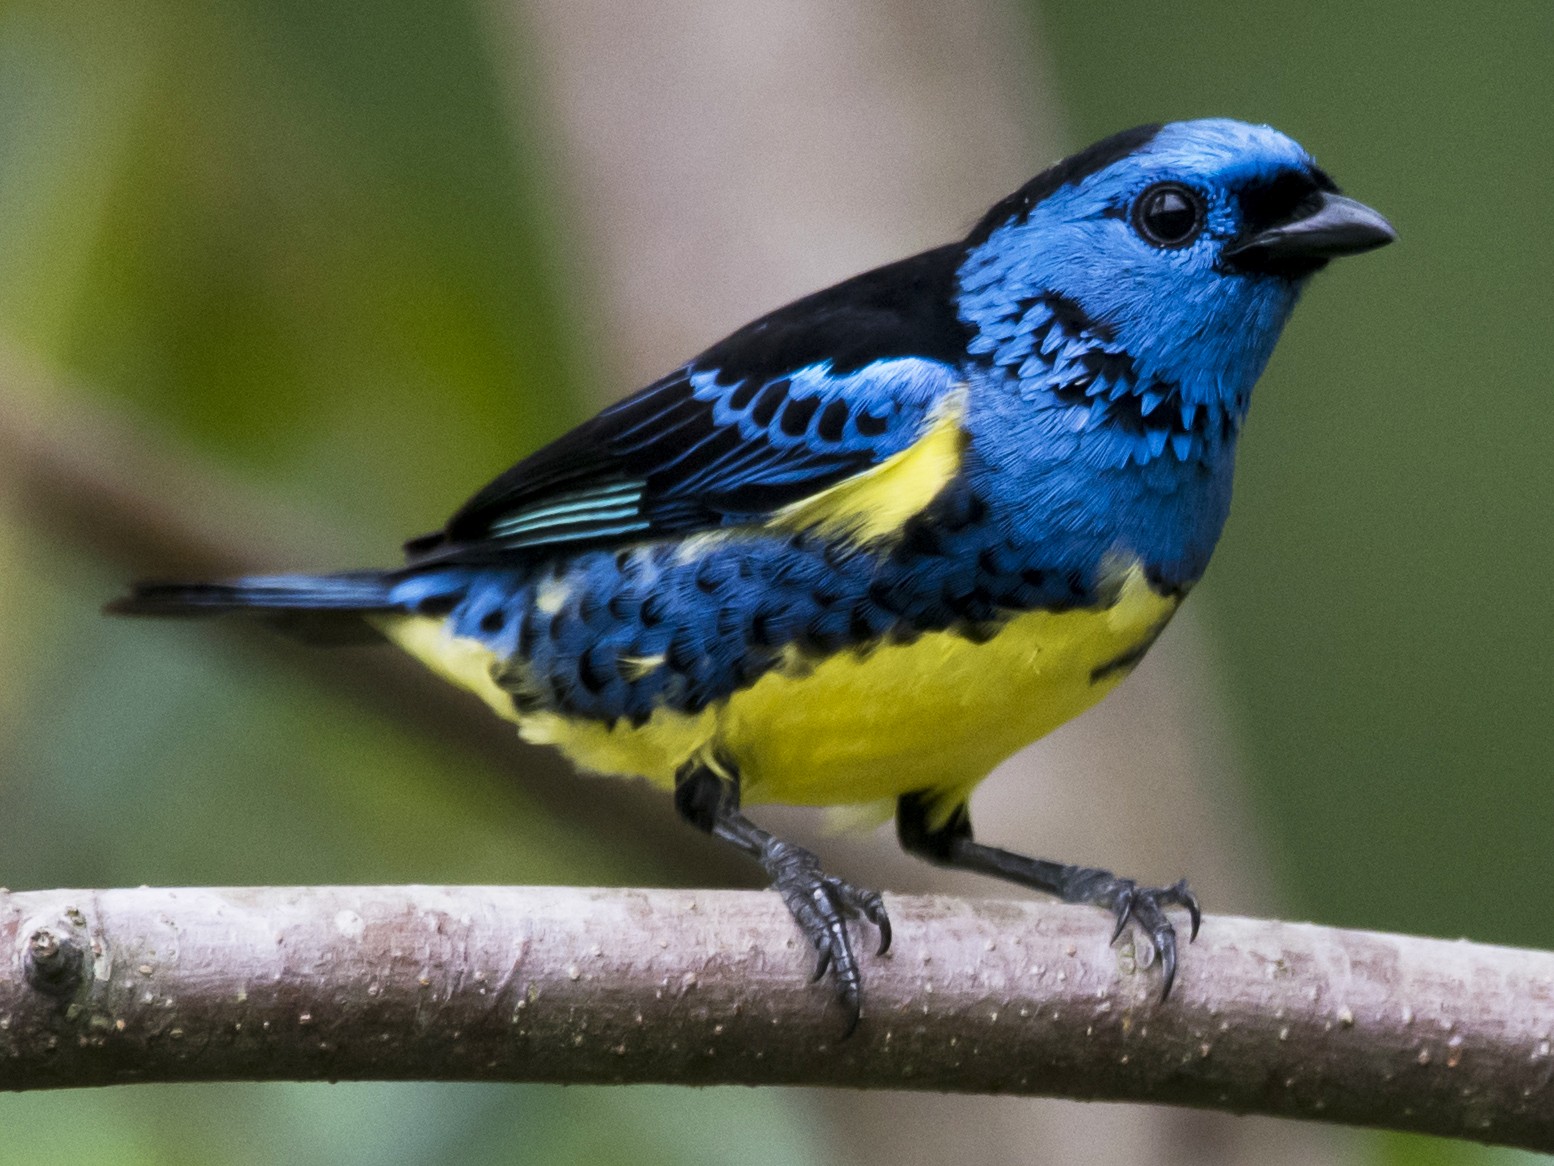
(877, 503)
(634, 668)
(464, 662)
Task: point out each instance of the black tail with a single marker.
(318, 609)
(357, 591)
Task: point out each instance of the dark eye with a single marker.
(1168, 215)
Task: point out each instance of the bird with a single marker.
(876, 541)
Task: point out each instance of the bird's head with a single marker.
(1183, 246)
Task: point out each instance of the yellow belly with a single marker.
(937, 713)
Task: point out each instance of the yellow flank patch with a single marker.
(464, 662)
(877, 503)
(937, 713)
(655, 750)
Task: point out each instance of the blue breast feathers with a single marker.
(1064, 360)
(615, 635)
(1111, 372)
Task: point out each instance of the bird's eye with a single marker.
(1168, 215)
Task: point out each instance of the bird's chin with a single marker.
(1291, 267)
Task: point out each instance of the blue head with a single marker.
(1122, 305)
(1183, 246)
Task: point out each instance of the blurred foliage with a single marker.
(313, 241)
(307, 235)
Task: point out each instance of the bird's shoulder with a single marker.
(829, 387)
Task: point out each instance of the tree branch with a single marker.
(704, 987)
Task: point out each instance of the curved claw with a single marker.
(821, 905)
(1165, 948)
(821, 964)
(1124, 909)
(854, 1012)
(874, 911)
(1189, 900)
(881, 921)
(1182, 895)
(1152, 918)
(1145, 907)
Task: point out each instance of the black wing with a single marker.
(791, 404)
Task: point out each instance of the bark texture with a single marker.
(710, 987)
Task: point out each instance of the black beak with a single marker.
(1324, 228)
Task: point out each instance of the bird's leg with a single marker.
(820, 903)
(951, 845)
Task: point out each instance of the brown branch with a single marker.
(568, 985)
(86, 473)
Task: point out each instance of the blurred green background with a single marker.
(323, 250)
